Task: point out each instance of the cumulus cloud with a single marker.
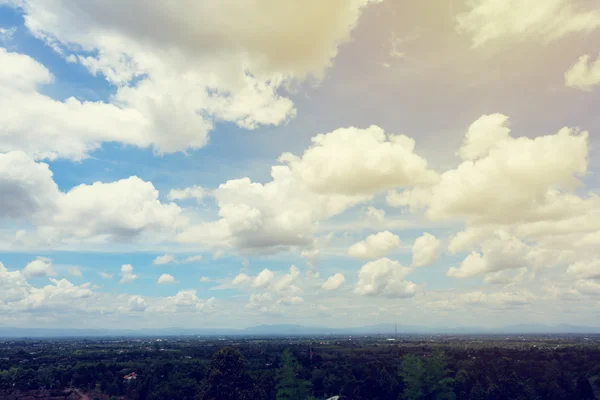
(182, 85)
(166, 279)
(240, 279)
(333, 282)
(164, 259)
(544, 20)
(511, 180)
(271, 216)
(120, 210)
(136, 304)
(425, 250)
(75, 271)
(375, 246)
(263, 279)
(205, 279)
(185, 301)
(385, 277)
(105, 275)
(27, 187)
(39, 268)
(365, 161)
(503, 252)
(194, 192)
(584, 74)
(285, 282)
(127, 274)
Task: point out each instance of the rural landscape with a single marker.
(377, 367)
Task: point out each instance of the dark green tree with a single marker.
(412, 372)
(228, 379)
(289, 384)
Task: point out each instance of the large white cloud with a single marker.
(584, 74)
(357, 161)
(425, 250)
(120, 210)
(510, 179)
(204, 65)
(385, 277)
(503, 252)
(544, 20)
(27, 187)
(375, 246)
(274, 215)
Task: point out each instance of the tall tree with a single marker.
(227, 378)
(290, 386)
(412, 373)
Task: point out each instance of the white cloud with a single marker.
(183, 85)
(75, 271)
(271, 216)
(375, 246)
(121, 209)
(355, 161)
(185, 301)
(311, 256)
(507, 277)
(240, 279)
(137, 304)
(13, 285)
(263, 279)
(545, 20)
(205, 279)
(127, 274)
(502, 252)
(166, 279)
(105, 275)
(483, 135)
(518, 180)
(585, 269)
(164, 259)
(192, 259)
(285, 282)
(194, 192)
(375, 214)
(584, 74)
(425, 251)
(27, 187)
(385, 277)
(39, 268)
(333, 282)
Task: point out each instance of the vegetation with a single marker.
(300, 369)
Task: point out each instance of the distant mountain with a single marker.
(291, 330)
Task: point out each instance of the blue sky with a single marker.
(417, 133)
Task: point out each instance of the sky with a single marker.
(340, 163)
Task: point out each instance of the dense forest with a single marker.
(280, 370)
